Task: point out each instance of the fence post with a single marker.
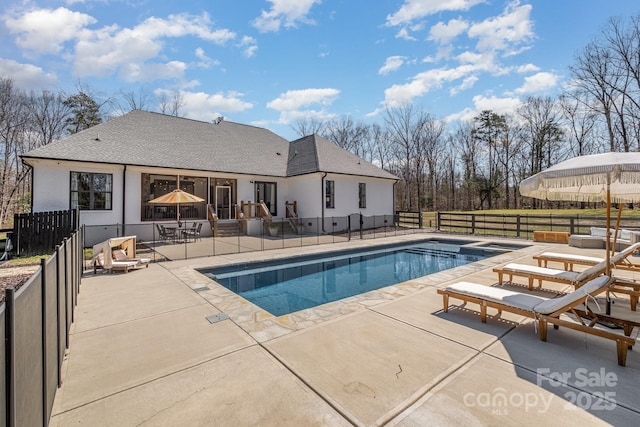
(473, 223)
(10, 358)
(43, 322)
(419, 218)
(58, 321)
(571, 225)
(438, 220)
(518, 226)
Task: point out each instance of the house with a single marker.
(111, 171)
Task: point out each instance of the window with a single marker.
(362, 195)
(330, 194)
(91, 191)
(158, 185)
(267, 192)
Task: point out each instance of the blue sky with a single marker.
(272, 62)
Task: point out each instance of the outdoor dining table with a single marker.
(179, 233)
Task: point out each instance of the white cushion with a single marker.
(592, 271)
(599, 232)
(539, 271)
(554, 304)
(571, 257)
(503, 296)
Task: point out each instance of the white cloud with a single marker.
(413, 10)
(284, 12)
(392, 63)
(538, 82)
(505, 32)
(467, 83)
(26, 76)
(206, 107)
(445, 33)
(403, 33)
(109, 49)
(205, 62)
(45, 30)
(295, 104)
(250, 46)
(424, 82)
(527, 68)
(481, 103)
(148, 72)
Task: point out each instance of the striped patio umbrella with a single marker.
(176, 197)
(606, 177)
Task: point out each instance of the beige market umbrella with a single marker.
(176, 197)
(607, 177)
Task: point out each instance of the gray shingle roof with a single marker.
(151, 139)
(314, 153)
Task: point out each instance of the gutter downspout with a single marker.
(322, 199)
(124, 199)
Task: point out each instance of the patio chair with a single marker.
(193, 233)
(166, 234)
(121, 255)
(569, 260)
(542, 310)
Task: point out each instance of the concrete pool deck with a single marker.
(143, 353)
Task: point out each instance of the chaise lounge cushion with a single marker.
(540, 271)
(525, 301)
(499, 295)
(552, 305)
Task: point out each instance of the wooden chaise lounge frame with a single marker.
(543, 311)
(531, 272)
(569, 260)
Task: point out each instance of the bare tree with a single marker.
(130, 100)
(171, 104)
(308, 126)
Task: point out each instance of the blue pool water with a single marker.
(297, 284)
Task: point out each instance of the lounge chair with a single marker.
(569, 260)
(532, 272)
(99, 262)
(121, 255)
(542, 310)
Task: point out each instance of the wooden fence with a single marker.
(523, 226)
(34, 330)
(39, 232)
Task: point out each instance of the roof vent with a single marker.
(217, 120)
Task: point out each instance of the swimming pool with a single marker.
(297, 283)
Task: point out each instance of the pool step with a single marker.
(431, 251)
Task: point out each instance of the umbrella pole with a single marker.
(615, 236)
(608, 233)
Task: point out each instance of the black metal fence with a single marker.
(34, 326)
(39, 232)
(523, 226)
(250, 235)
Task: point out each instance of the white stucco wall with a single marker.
(51, 188)
(379, 196)
(52, 184)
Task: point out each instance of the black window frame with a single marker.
(330, 194)
(91, 192)
(273, 210)
(362, 195)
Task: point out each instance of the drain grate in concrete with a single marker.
(204, 288)
(215, 318)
